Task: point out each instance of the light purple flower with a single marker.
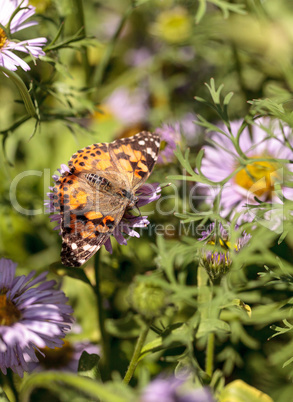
(65, 358)
(172, 389)
(216, 262)
(129, 223)
(34, 315)
(128, 107)
(8, 58)
(189, 129)
(170, 136)
(138, 57)
(258, 178)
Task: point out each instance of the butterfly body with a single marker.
(100, 186)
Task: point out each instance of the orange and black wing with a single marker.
(136, 156)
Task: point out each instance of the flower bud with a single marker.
(147, 299)
(217, 263)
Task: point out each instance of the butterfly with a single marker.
(99, 187)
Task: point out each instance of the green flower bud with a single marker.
(218, 262)
(147, 299)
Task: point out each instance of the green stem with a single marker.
(209, 368)
(204, 299)
(136, 354)
(10, 381)
(99, 75)
(84, 55)
(105, 342)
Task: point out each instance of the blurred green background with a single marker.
(119, 69)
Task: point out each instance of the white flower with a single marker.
(8, 58)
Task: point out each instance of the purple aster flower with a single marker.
(190, 129)
(170, 137)
(8, 58)
(129, 223)
(138, 57)
(65, 358)
(256, 179)
(128, 107)
(34, 315)
(172, 389)
(216, 262)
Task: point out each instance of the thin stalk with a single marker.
(209, 362)
(136, 354)
(99, 75)
(84, 53)
(10, 382)
(204, 299)
(105, 342)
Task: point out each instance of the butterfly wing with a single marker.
(136, 156)
(90, 213)
(87, 220)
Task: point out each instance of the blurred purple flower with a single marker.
(146, 194)
(189, 128)
(33, 47)
(172, 389)
(138, 57)
(128, 107)
(170, 137)
(32, 317)
(65, 358)
(257, 179)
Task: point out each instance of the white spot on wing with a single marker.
(151, 152)
(141, 142)
(87, 247)
(73, 246)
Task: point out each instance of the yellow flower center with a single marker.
(173, 25)
(103, 114)
(9, 314)
(3, 38)
(41, 5)
(58, 357)
(258, 177)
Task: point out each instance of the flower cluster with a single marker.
(33, 315)
(13, 21)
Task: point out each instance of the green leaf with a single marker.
(125, 327)
(72, 272)
(3, 396)
(228, 97)
(30, 108)
(209, 325)
(200, 11)
(150, 347)
(215, 93)
(88, 366)
(289, 361)
(93, 389)
(239, 391)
